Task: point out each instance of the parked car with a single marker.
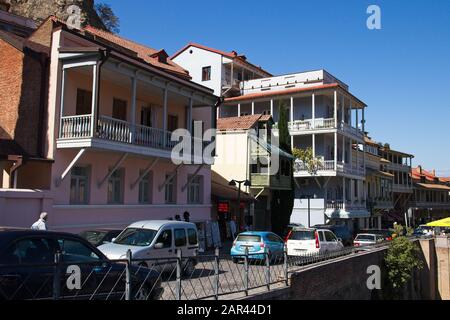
(289, 228)
(258, 244)
(157, 241)
(368, 239)
(98, 237)
(341, 231)
(304, 241)
(27, 268)
(387, 234)
(422, 231)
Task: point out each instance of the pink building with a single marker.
(112, 105)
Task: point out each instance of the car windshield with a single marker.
(365, 237)
(136, 237)
(93, 236)
(248, 238)
(302, 235)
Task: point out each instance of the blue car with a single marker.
(258, 243)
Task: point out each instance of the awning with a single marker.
(445, 223)
(221, 189)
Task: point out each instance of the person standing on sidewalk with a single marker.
(41, 224)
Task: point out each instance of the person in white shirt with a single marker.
(41, 224)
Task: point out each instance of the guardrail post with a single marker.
(128, 276)
(179, 265)
(285, 265)
(216, 273)
(246, 271)
(57, 277)
(267, 271)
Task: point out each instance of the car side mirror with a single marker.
(158, 245)
(339, 240)
(113, 239)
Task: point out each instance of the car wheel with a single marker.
(235, 260)
(143, 293)
(189, 268)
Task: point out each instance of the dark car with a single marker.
(100, 236)
(28, 269)
(341, 231)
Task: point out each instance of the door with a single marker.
(22, 282)
(163, 250)
(331, 241)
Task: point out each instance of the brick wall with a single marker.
(20, 101)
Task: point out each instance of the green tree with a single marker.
(283, 200)
(108, 17)
(313, 164)
(401, 259)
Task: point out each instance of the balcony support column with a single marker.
(335, 108)
(343, 151)
(133, 108)
(314, 145)
(342, 111)
(95, 87)
(357, 119)
(343, 193)
(61, 114)
(189, 115)
(165, 116)
(313, 111)
(291, 117)
(239, 109)
(350, 152)
(363, 122)
(253, 107)
(335, 151)
(271, 107)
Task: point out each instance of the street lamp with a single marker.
(233, 183)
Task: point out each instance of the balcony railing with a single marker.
(328, 165)
(298, 126)
(76, 127)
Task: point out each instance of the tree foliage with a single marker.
(283, 200)
(313, 164)
(108, 17)
(401, 259)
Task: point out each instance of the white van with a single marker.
(303, 241)
(156, 239)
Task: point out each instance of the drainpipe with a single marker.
(18, 162)
(103, 58)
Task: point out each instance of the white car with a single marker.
(158, 241)
(303, 241)
(367, 239)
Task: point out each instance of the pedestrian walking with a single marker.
(41, 224)
(186, 216)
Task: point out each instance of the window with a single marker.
(84, 102)
(145, 189)
(165, 238)
(170, 190)
(79, 185)
(172, 123)
(74, 251)
(330, 237)
(136, 237)
(195, 190)
(192, 237)
(115, 187)
(147, 116)
(321, 237)
(180, 237)
(34, 250)
(119, 109)
(206, 73)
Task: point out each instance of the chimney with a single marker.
(420, 169)
(434, 172)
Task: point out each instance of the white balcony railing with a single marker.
(76, 127)
(299, 126)
(328, 165)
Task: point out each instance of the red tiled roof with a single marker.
(147, 54)
(280, 92)
(231, 55)
(240, 123)
(428, 175)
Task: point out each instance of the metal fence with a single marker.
(209, 276)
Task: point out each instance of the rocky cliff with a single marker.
(39, 10)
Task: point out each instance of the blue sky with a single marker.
(402, 71)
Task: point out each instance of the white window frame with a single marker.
(78, 178)
(195, 190)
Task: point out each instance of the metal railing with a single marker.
(76, 127)
(211, 276)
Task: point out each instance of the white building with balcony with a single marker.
(323, 116)
(218, 70)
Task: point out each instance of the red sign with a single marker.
(223, 207)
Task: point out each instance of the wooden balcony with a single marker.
(263, 180)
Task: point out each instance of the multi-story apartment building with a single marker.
(431, 197)
(379, 186)
(399, 165)
(112, 106)
(219, 70)
(247, 154)
(323, 116)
